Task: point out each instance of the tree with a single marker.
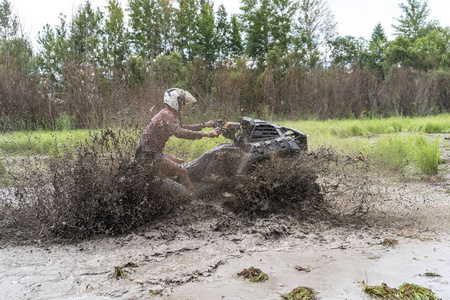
(167, 26)
(346, 51)
(223, 29)
(55, 45)
(236, 47)
(413, 21)
(146, 22)
(282, 24)
(186, 27)
(9, 24)
(428, 52)
(86, 34)
(315, 29)
(256, 18)
(375, 56)
(116, 42)
(205, 47)
(433, 50)
(15, 49)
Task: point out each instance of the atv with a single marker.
(252, 141)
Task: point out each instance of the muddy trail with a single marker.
(367, 226)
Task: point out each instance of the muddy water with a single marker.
(199, 268)
(334, 273)
(196, 252)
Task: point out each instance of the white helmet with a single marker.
(173, 97)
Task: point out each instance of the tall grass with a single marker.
(404, 146)
(396, 152)
(364, 127)
(41, 142)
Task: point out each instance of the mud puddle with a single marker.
(338, 259)
(334, 273)
(197, 252)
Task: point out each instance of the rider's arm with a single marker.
(184, 133)
(196, 127)
(199, 127)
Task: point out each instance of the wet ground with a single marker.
(197, 251)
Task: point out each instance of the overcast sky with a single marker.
(354, 17)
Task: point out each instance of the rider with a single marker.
(161, 127)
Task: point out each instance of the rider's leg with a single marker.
(174, 158)
(170, 168)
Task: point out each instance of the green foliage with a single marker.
(236, 43)
(85, 34)
(315, 27)
(375, 55)
(428, 52)
(270, 59)
(146, 22)
(64, 122)
(256, 17)
(413, 20)
(375, 126)
(170, 70)
(186, 31)
(9, 23)
(403, 148)
(346, 51)
(55, 46)
(223, 30)
(282, 25)
(427, 155)
(205, 46)
(395, 152)
(116, 40)
(137, 70)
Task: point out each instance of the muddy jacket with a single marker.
(162, 127)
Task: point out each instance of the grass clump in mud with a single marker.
(97, 190)
(121, 272)
(432, 274)
(390, 242)
(405, 292)
(254, 275)
(302, 269)
(301, 293)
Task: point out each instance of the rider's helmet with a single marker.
(174, 97)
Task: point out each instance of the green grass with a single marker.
(364, 127)
(396, 152)
(395, 143)
(41, 142)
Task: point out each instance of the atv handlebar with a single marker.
(227, 129)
